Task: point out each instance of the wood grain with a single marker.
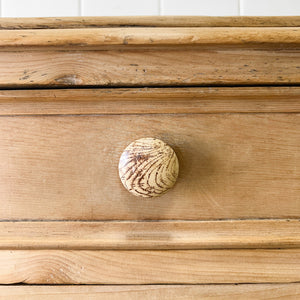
(232, 166)
(148, 167)
(149, 267)
(149, 292)
(149, 67)
(148, 21)
(150, 100)
(150, 235)
(139, 36)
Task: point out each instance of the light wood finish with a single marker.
(146, 267)
(233, 217)
(150, 235)
(147, 21)
(149, 56)
(231, 166)
(150, 100)
(149, 292)
(149, 67)
(148, 167)
(139, 36)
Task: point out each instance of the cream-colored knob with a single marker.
(148, 167)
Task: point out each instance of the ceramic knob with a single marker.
(148, 167)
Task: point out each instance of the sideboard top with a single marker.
(149, 51)
(148, 21)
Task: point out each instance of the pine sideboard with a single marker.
(206, 113)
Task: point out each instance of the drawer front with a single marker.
(150, 267)
(150, 292)
(162, 67)
(231, 166)
(212, 252)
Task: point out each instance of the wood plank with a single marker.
(149, 67)
(148, 21)
(150, 235)
(231, 166)
(150, 292)
(149, 267)
(139, 36)
(150, 100)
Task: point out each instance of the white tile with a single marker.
(200, 7)
(270, 7)
(39, 8)
(120, 7)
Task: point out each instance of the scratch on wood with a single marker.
(69, 79)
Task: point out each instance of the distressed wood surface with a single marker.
(150, 100)
(148, 167)
(149, 267)
(149, 292)
(148, 21)
(139, 36)
(149, 67)
(150, 235)
(231, 166)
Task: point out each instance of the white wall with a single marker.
(49, 8)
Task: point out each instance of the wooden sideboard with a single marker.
(222, 92)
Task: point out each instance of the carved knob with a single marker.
(148, 167)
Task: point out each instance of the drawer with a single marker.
(149, 292)
(65, 167)
(182, 66)
(222, 266)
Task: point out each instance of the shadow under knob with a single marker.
(148, 167)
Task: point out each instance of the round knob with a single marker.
(148, 167)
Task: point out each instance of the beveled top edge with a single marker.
(148, 21)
